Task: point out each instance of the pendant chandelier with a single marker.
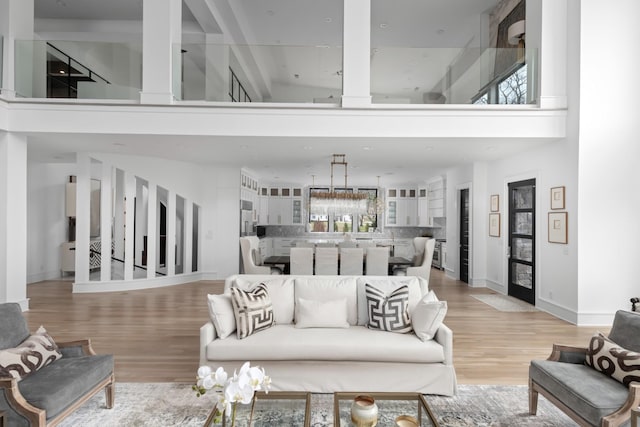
(338, 201)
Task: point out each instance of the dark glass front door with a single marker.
(522, 221)
(464, 235)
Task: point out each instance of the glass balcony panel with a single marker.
(452, 76)
(77, 69)
(259, 73)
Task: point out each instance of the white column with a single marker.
(83, 217)
(161, 45)
(552, 52)
(188, 236)
(130, 194)
(171, 233)
(356, 63)
(13, 219)
(106, 216)
(152, 230)
(16, 23)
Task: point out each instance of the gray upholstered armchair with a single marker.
(45, 397)
(588, 396)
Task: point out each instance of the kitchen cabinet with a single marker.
(285, 206)
(282, 247)
(403, 248)
(402, 207)
(436, 199)
(423, 207)
(263, 206)
(443, 254)
(265, 246)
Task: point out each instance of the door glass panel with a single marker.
(524, 223)
(522, 249)
(523, 197)
(522, 275)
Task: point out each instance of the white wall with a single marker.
(46, 220)
(609, 152)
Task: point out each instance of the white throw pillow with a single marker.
(323, 288)
(321, 314)
(427, 316)
(221, 313)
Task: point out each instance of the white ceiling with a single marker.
(404, 23)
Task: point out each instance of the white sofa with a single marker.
(325, 360)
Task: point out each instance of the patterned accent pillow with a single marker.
(388, 312)
(252, 309)
(32, 354)
(609, 358)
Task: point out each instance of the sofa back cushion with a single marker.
(386, 285)
(281, 292)
(13, 326)
(327, 289)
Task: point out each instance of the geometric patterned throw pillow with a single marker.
(609, 358)
(252, 309)
(388, 312)
(34, 353)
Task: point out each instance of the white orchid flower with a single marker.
(256, 377)
(236, 392)
(220, 377)
(207, 383)
(204, 371)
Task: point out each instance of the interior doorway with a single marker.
(522, 228)
(464, 235)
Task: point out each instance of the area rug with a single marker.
(504, 302)
(172, 404)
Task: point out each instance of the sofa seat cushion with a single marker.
(64, 381)
(357, 343)
(588, 392)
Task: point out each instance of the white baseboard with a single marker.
(210, 275)
(498, 287)
(39, 277)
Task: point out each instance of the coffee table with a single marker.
(273, 408)
(390, 406)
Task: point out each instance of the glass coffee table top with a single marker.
(271, 409)
(390, 407)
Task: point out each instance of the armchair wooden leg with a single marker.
(533, 399)
(109, 393)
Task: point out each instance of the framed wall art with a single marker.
(557, 198)
(494, 224)
(495, 203)
(558, 227)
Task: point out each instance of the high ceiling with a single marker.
(398, 23)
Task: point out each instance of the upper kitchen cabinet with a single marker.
(263, 206)
(436, 199)
(402, 207)
(285, 206)
(423, 207)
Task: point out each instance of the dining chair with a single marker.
(424, 269)
(418, 257)
(301, 261)
(377, 261)
(326, 261)
(250, 249)
(351, 260)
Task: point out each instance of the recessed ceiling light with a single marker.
(490, 148)
(428, 148)
(308, 147)
(297, 76)
(244, 147)
(366, 147)
(118, 144)
(270, 12)
(384, 25)
(440, 31)
(328, 19)
(388, 173)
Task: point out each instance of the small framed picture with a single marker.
(495, 203)
(494, 224)
(557, 198)
(558, 227)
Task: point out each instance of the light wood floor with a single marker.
(154, 334)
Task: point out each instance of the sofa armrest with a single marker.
(444, 337)
(207, 334)
(76, 348)
(16, 406)
(568, 354)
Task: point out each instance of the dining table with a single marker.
(285, 260)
